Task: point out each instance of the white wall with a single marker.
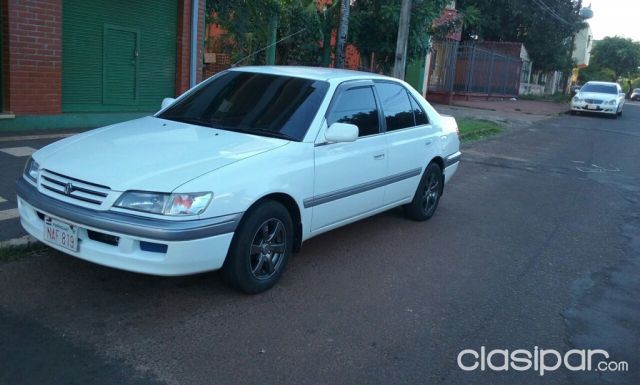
(582, 47)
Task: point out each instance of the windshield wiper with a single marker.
(198, 122)
(247, 130)
(265, 132)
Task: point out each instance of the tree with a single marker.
(374, 25)
(620, 55)
(252, 28)
(545, 27)
(343, 29)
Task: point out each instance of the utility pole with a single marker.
(343, 29)
(273, 32)
(403, 40)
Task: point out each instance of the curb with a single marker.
(34, 137)
(24, 240)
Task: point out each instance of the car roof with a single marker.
(315, 73)
(603, 83)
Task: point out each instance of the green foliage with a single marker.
(302, 47)
(616, 54)
(547, 39)
(373, 28)
(596, 73)
(246, 23)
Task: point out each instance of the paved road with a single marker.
(536, 243)
(14, 152)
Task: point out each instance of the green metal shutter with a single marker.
(118, 55)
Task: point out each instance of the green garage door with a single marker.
(118, 55)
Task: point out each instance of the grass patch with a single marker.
(14, 253)
(476, 129)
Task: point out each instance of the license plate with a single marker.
(592, 107)
(61, 233)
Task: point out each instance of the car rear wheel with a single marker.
(260, 248)
(427, 196)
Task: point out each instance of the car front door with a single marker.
(349, 176)
(411, 140)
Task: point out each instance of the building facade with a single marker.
(72, 63)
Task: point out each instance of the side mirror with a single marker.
(166, 102)
(341, 132)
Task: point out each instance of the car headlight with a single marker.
(577, 99)
(32, 170)
(165, 204)
(612, 102)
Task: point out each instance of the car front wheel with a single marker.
(260, 248)
(427, 196)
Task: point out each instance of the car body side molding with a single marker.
(360, 188)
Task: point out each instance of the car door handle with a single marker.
(428, 142)
(378, 157)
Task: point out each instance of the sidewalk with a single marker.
(508, 112)
(533, 107)
(15, 149)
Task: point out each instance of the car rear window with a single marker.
(255, 103)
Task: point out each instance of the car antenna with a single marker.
(270, 45)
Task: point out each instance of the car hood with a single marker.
(149, 153)
(596, 95)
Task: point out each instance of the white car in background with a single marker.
(599, 97)
(239, 171)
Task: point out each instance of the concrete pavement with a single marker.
(536, 243)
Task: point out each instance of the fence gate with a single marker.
(464, 69)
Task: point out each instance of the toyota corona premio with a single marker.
(239, 171)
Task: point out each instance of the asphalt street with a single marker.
(536, 243)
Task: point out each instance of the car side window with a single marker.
(398, 112)
(356, 106)
(418, 112)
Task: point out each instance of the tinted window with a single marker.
(259, 104)
(600, 88)
(356, 106)
(396, 106)
(418, 112)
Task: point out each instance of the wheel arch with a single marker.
(292, 207)
(440, 162)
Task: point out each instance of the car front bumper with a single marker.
(611, 109)
(129, 242)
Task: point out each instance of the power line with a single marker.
(550, 11)
(270, 45)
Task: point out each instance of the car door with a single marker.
(348, 176)
(411, 140)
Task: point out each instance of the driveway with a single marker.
(536, 244)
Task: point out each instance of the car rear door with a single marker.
(349, 177)
(411, 139)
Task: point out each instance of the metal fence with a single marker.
(463, 68)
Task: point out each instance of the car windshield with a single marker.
(637, 90)
(254, 103)
(600, 88)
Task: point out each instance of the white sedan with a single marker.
(239, 171)
(600, 97)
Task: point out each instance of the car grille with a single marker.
(593, 101)
(73, 189)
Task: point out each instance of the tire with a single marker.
(427, 196)
(260, 248)
(572, 112)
